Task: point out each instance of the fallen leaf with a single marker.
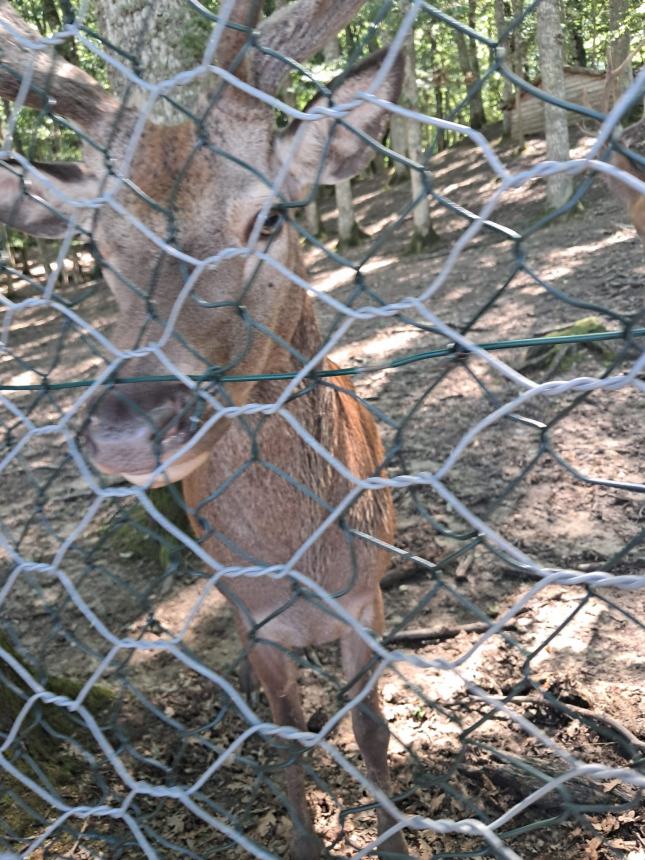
(436, 803)
(266, 825)
(621, 844)
(591, 848)
(176, 822)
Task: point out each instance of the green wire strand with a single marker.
(396, 363)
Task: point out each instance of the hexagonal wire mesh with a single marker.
(511, 657)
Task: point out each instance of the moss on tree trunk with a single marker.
(140, 535)
(41, 739)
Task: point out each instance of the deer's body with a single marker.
(633, 138)
(267, 517)
(205, 292)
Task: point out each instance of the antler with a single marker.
(53, 82)
(634, 138)
(245, 14)
(298, 30)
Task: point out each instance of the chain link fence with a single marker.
(504, 369)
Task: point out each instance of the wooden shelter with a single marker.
(582, 86)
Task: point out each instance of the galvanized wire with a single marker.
(146, 773)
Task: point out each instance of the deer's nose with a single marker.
(133, 428)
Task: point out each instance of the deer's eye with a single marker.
(272, 224)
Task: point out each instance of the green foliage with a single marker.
(42, 137)
(440, 78)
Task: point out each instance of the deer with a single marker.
(253, 485)
(633, 137)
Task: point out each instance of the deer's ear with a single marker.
(30, 203)
(328, 151)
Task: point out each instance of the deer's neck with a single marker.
(305, 341)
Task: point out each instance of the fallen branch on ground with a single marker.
(440, 633)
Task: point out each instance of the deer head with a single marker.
(180, 213)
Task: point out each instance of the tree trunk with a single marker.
(378, 165)
(469, 64)
(619, 67)
(507, 88)
(478, 117)
(423, 232)
(311, 211)
(437, 87)
(164, 38)
(51, 21)
(516, 65)
(577, 45)
(399, 143)
(549, 35)
(43, 732)
(349, 233)
(312, 218)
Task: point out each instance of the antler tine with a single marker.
(634, 137)
(300, 30)
(245, 13)
(54, 82)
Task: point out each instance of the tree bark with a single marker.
(549, 34)
(464, 64)
(47, 748)
(577, 45)
(399, 143)
(311, 210)
(423, 232)
(163, 38)
(619, 67)
(469, 63)
(349, 233)
(516, 65)
(507, 88)
(440, 139)
(312, 217)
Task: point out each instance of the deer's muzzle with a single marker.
(134, 429)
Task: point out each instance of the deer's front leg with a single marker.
(370, 728)
(278, 676)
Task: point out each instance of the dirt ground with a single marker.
(570, 663)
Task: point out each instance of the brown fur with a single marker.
(632, 137)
